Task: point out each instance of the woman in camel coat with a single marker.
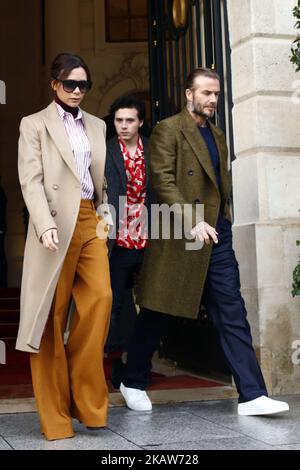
(61, 170)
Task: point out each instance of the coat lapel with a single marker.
(192, 135)
(98, 148)
(93, 134)
(223, 156)
(146, 157)
(117, 157)
(59, 136)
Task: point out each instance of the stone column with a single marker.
(266, 179)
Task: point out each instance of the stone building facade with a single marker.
(266, 141)
(266, 179)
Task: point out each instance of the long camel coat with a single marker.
(172, 277)
(52, 192)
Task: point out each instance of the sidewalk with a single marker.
(186, 426)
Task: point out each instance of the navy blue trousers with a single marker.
(225, 305)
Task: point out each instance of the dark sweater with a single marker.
(212, 149)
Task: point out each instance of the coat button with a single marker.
(197, 201)
(190, 172)
(53, 213)
(55, 186)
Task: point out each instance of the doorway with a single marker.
(183, 35)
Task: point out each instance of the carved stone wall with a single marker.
(133, 75)
(266, 180)
(70, 25)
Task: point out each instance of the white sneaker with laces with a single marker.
(136, 399)
(262, 406)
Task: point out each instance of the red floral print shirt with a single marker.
(131, 228)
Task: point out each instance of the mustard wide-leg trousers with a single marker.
(68, 380)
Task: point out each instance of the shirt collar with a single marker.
(139, 150)
(62, 113)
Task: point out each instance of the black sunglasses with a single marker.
(70, 85)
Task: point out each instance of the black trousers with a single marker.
(125, 264)
(225, 305)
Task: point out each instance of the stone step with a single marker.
(10, 343)
(9, 316)
(10, 303)
(16, 368)
(9, 292)
(8, 330)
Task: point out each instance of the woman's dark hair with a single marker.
(64, 63)
(128, 101)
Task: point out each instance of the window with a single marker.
(126, 20)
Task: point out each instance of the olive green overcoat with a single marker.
(173, 275)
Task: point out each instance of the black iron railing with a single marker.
(201, 40)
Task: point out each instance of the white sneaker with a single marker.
(262, 406)
(136, 399)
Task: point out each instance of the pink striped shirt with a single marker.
(81, 149)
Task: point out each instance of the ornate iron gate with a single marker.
(183, 35)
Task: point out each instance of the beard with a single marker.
(199, 110)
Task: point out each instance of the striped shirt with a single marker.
(81, 149)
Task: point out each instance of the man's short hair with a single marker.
(131, 102)
(200, 72)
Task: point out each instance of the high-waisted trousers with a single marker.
(68, 379)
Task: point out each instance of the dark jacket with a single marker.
(116, 180)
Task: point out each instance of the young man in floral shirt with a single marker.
(127, 177)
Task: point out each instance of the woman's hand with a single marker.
(50, 239)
